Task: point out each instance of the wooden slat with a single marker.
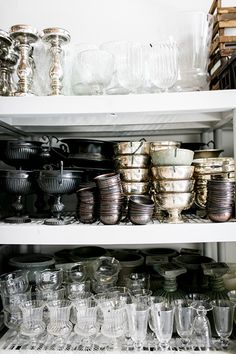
(227, 24)
(225, 17)
(226, 10)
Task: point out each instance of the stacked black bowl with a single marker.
(140, 209)
(220, 199)
(111, 197)
(87, 204)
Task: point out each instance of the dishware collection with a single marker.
(80, 306)
(112, 182)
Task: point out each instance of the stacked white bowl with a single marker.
(172, 180)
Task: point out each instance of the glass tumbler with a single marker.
(86, 325)
(32, 318)
(184, 316)
(129, 68)
(163, 64)
(59, 318)
(93, 72)
(137, 281)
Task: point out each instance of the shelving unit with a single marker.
(117, 117)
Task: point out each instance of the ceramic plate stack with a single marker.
(220, 200)
(132, 161)
(87, 204)
(172, 181)
(207, 168)
(111, 197)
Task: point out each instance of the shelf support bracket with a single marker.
(13, 130)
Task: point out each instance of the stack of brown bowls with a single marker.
(87, 204)
(132, 161)
(207, 168)
(172, 181)
(111, 198)
(220, 200)
(140, 209)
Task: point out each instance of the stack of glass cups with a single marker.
(14, 289)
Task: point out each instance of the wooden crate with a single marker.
(224, 21)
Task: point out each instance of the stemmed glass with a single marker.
(59, 320)
(201, 333)
(163, 321)
(93, 73)
(223, 314)
(184, 315)
(137, 315)
(164, 64)
(32, 325)
(87, 325)
(49, 279)
(112, 317)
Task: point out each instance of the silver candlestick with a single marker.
(56, 37)
(25, 36)
(8, 59)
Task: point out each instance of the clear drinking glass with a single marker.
(137, 281)
(184, 315)
(223, 314)
(59, 318)
(32, 318)
(49, 279)
(163, 320)
(87, 325)
(113, 317)
(163, 64)
(93, 72)
(201, 334)
(129, 69)
(137, 314)
(14, 282)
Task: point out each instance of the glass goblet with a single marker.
(49, 279)
(32, 319)
(94, 72)
(137, 314)
(163, 320)
(184, 315)
(87, 325)
(223, 314)
(201, 334)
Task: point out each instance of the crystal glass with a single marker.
(59, 318)
(32, 318)
(76, 288)
(77, 273)
(105, 273)
(163, 320)
(129, 70)
(81, 298)
(201, 334)
(137, 314)
(184, 315)
(223, 314)
(137, 281)
(141, 295)
(87, 325)
(232, 297)
(14, 283)
(155, 303)
(49, 279)
(93, 72)
(112, 317)
(163, 64)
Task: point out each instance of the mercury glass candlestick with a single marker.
(56, 37)
(24, 36)
(8, 59)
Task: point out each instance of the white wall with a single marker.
(97, 21)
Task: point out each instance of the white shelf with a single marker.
(120, 115)
(122, 234)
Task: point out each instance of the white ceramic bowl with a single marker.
(172, 157)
